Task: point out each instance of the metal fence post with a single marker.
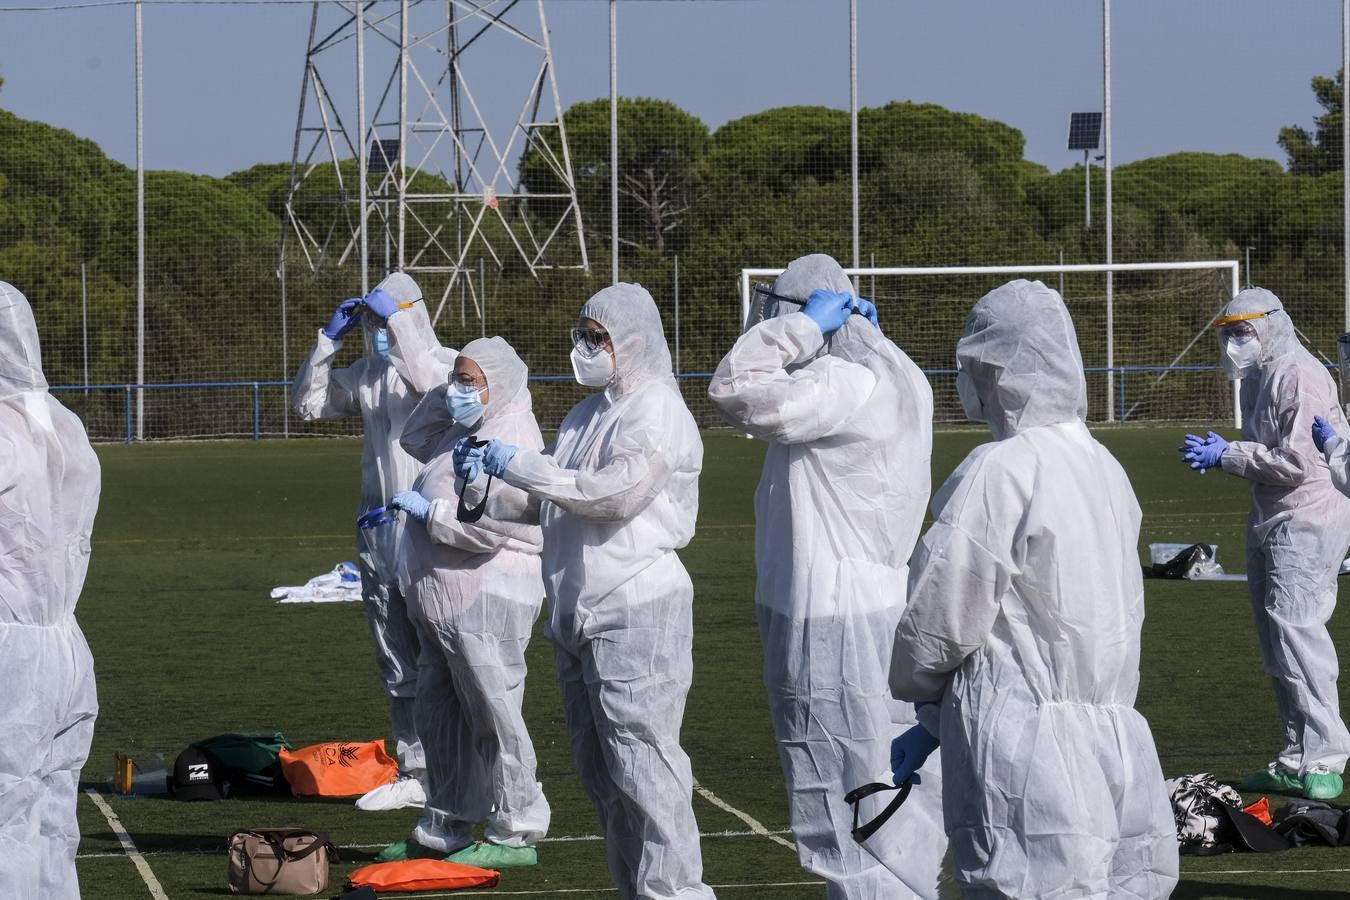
(126, 389)
(255, 411)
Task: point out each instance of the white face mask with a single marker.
(593, 371)
(464, 402)
(1240, 356)
(970, 398)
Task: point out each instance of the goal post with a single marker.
(1227, 270)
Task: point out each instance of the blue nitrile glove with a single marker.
(468, 459)
(496, 455)
(412, 503)
(344, 319)
(380, 304)
(828, 310)
(1203, 453)
(868, 310)
(1322, 432)
(908, 753)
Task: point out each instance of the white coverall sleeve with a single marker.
(1338, 461)
(636, 473)
(1293, 461)
(962, 569)
(320, 391)
(416, 354)
(753, 389)
(426, 425)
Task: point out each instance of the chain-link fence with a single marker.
(501, 208)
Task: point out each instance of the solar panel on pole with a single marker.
(1085, 129)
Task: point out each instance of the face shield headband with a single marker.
(765, 304)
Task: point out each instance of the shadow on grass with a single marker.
(1190, 889)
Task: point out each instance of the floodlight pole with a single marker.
(614, 140)
(1087, 191)
(853, 123)
(362, 143)
(1345, 142)
(402, 136)
(140, 234)
(1110, 284)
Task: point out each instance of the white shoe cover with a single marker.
(403, 792)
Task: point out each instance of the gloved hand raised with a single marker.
(496, 455)
(412, 503)
(908, 753)
(380, 304)
(828, 310)
(468, 459)
(1203, 453)
(344, 319)
(868, 310)
(1322, 432)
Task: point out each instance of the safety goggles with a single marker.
(855, 797)
(765, 304)
(470, 514)
(590, 341)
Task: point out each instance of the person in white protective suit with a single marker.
(848, 418)
(49, 490)
(1297, 534)
(474, 591)
(1026, 601)
(372, 388)
(617, 496)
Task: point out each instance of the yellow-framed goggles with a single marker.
(1225, 321)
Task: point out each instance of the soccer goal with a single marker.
(1143, 329)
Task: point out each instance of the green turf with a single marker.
(191, 537)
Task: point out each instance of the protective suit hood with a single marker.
(1276, 333)
(403, 289)
(630, 316)
(808, 274)
(20, 354)
(1020, 349)
(506, 373)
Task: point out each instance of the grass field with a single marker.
(190, 538)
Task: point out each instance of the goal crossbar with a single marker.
(1231, 265)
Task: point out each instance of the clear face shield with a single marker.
(765, 305)
(1239, 345)
(374, 335)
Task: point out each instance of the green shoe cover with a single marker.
(409, 849)
(1272, 779)
(1322, 785)
(487, 855)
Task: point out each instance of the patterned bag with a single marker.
(1210, 818)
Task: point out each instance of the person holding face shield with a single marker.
(848, 418)
(1022, 628)
(372, 388)
(617, 495)
(474, 591)
(1297, 534)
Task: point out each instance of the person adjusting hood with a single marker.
(1297, 534)
(1026, 601)
(49, 492)
(848, 419)
(474, 589)
(372, 388)
(617, 497)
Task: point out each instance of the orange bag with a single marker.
(1261, 810)
(337, 768)
(422, 875)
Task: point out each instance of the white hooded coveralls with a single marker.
(618, 493)
(371, 387)
(474, 591)
(839, 506)
(1026, 601)
(49, 491)
(1297, 533)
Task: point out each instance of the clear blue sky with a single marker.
(222, 81)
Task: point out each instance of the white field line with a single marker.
(571, 838)
(143, 867)
(755, 825)
(555, 892)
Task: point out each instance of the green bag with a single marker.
(249, 760)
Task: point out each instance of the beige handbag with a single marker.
(279, 861)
